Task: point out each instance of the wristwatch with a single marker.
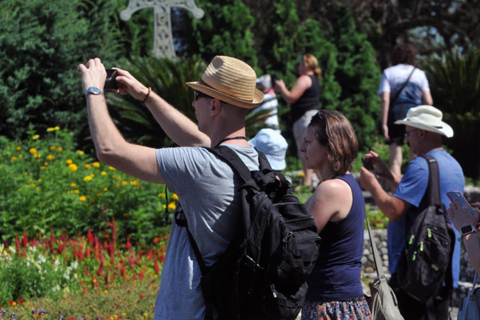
(93, 90)
(468, 229)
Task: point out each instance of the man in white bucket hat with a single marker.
(203, 183)
(424, 131)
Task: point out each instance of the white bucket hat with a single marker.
(273, 145)
(427, 118)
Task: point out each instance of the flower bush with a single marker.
(45, 183)
(62, 273)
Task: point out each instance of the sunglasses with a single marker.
(199, 95)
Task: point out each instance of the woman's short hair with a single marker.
(311, 63)
(403, 53)
(335, 132)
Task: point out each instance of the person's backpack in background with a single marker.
(263, 272)
(425, 263)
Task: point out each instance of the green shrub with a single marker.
(45, 183)
(33, 275)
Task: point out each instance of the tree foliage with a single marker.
(224, 30)
(455, 83)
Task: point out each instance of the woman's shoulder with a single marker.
(335, 188)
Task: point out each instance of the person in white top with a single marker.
(403, 86)
(270, 102)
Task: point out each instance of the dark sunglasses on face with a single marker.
(199, 94)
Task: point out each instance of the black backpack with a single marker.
(425, 263)
(263, 272)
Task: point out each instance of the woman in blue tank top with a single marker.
(335, 290)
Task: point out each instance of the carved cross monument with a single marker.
(163, 40)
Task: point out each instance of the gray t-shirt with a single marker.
(205, 187)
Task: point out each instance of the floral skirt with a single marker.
(332, 310)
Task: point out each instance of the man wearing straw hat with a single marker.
(203, 183)
(423, 132)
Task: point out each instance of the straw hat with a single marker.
(273, 145)
(230, 80)
(427, 118)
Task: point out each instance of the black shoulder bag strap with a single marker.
(433, 193)
(392, 101)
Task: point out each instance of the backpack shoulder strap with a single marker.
(234, 161)
(433, 189)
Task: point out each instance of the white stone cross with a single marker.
(162, 38)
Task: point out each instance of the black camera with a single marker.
(273, 79)
(110, 82)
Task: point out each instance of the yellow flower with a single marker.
(32, 150)
(40, 180)
(37, 155)
(174, 197)
(80, 152)
(87, 166)
(87, 178)
(116, 185)
(106, 291)
(57, 128)
(105, 189)
(145, 314)
(32, 185)
(111, 168)
(69, 161)
(99, 194)
(50, 129)
(20, 156)
(73, 184)
(171, 206)
(124, 314)
(134, 183)
(161, 195)
(50, 157)
(103, 173)
(14, 304)
(52, 148)
(82, 198)
(59, 149)
(13, 158)
(124, 183)
(96, 164)
(19, 148)
(35, 137)
(73, 167)
(76, 191)
(45, 164)
(302, 174)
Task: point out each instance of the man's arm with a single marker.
(392, 207)
(176, 125)
(111, 147)
(385, 105)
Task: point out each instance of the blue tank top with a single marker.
(336, 275)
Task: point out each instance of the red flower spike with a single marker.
(129, 245)
(20, 300)
(25, 240)
(156, 268)
(90, 238)
(141, 275)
